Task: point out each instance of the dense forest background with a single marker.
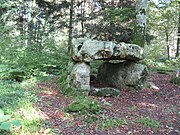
(36, 37)
(45, 28)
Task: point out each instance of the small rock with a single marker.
(174, 132)
(152, 85)
(171, 128)
(178, 73)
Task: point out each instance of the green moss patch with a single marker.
(85, 105)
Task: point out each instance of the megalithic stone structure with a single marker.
(130, 73)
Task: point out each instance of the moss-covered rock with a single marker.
(84, 106)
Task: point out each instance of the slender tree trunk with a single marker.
(167, 43)
(82, 18)
(178, 39)
(70, 27)
(178, 43)
(140, 35)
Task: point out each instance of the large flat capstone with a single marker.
(90, 50)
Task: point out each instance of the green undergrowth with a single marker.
(84, 105)
(149, 122)
(5, 122)
(164, 70)
(108, 123)
(175, 80)
(91, 112)
(162, 66)
(18, 100)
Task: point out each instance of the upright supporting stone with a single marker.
(80, 76)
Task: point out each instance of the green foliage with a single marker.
(164, 69)
(173, 62)
(175, 80)
(108, 123)
(162, 22)
(119, 15)
(18, 100)
(65, 81)
(157, 60)
(149, 122)
(19, 63)
(6, 123)
(138, 39)
(95, 65)
(155, 52)
(107, 103)
(84, 105)
(9, 73)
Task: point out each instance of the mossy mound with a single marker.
(84, 106)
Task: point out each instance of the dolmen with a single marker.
(121, 68)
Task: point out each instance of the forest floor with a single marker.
(147, 112)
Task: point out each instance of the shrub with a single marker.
(6, 123)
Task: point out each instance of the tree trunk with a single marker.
(70, 27)
(82, 18)
(167, 43)
(140, 28)
(178, 34)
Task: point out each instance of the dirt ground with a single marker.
(162, 105)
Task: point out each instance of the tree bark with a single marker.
(167, 44)
(141, 6)
(178, 34)
(70, 27)
(82, 17)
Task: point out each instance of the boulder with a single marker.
(104, 92)
(90, 50)
(80, 76)
(126, 75)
